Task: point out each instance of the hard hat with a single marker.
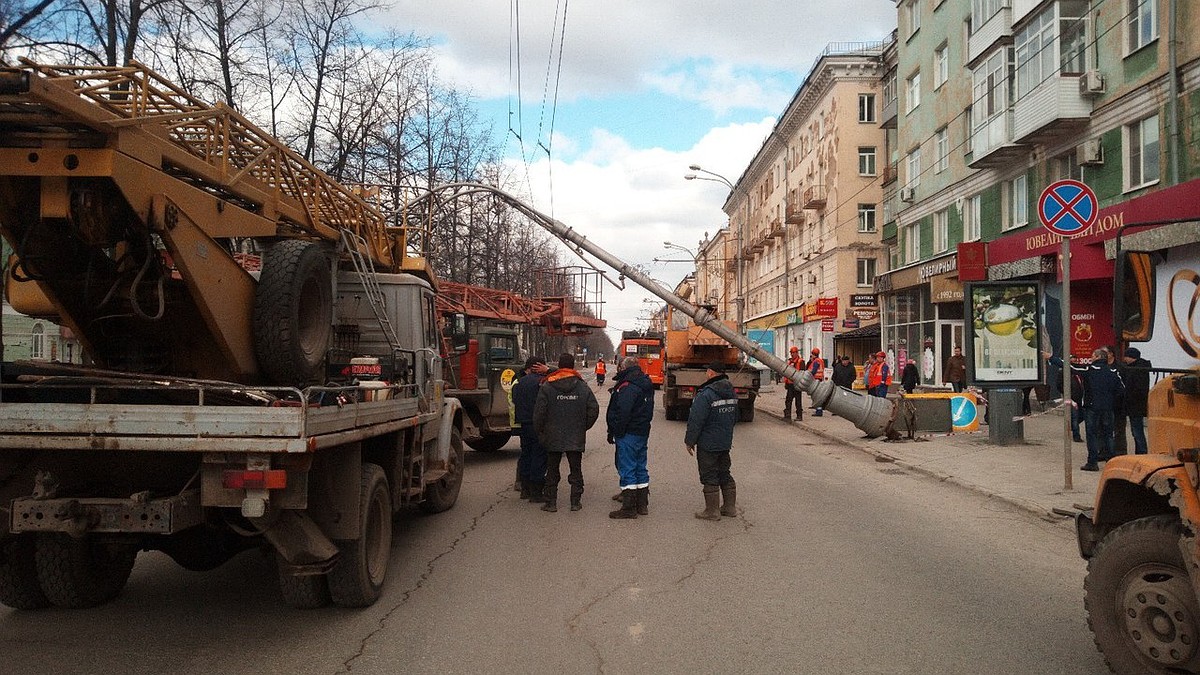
(883, 354)
(816, 351)
(795, 350)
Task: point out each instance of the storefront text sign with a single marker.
(936, 267)
(863, 300)
(823, 308)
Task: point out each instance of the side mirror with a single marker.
(1135, 293)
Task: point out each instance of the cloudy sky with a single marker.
(644, 88)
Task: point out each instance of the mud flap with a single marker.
(298, 540)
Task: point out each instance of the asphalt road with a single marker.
(838, 564)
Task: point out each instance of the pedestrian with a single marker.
(709, 437)
(565, 409)
(1102, 394)
(956, 370)
(816, 366)
(630, 410)
(909, 377)
(601, 371)
(844, 373)
(792, 398)
(879, 376)
(1120, 446)
(1136, 377)
(531, 465)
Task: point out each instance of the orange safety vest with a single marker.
(875, 374)
(817, 367)
(600, 367)
(797, 363)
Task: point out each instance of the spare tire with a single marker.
(293, 312)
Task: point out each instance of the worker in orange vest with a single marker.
(793, 394)
(601, 370)
(879, 376)
(816, 366)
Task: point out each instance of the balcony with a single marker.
(996, 28)
(794, 215)
(992, 143)
(891, 173)
(890, 113)
(814, 197)
(1053, 109)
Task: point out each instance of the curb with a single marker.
(1035, 509)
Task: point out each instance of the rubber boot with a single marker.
(628, 505)
(729, 499)
(643, 501)
(712, 503)
(537, 493)
(525, 489)
(576, 497)
(550, 496)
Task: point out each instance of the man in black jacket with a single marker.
(531, 465)
(630, 410)
(1136, 375)
(565, 409)
(713, 413)
(844, 373)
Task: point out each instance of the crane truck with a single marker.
(1141, 539)
(265, 361)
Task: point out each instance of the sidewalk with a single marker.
(1030, 476)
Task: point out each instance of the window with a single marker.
(1017, 191)
(912, 242)
(913, 168)
(866, 161)
(37, 342)
(941, 231)
(942, 144)
(1142, 28)
(866, 271)
(941, 65)
(866, 108)
(1054, 42)
(866, 217)
(982, 10)
(1141, 153)
(890, 90)
(912, 12)
(1068, 166)
(970, 217)
(912, 92)
(991, 91)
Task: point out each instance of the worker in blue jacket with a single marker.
(630, 410)
(709, 437)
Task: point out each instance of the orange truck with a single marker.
(689, 350)
(1140, 539)
(648, 348)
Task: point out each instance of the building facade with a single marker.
(997, 99)
(806, 211)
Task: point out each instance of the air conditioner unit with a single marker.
(908, 194)
(1091, 83)
(1090, 153)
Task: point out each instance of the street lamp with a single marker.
(739, 257)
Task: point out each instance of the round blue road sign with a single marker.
(962, 412)
(1068, 208)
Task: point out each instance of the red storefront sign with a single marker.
(972, 261)
(823, 308)
(1178, 203)
(1091, 317)
(827, 325)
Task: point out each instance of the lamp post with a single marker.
(739, 257)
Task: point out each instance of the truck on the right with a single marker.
(1140, 538)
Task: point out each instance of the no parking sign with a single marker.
(1068, 208)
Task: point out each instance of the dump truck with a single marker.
(1140, 539)
(264, 355)
(647, 347)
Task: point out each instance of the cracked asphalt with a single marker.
(836, 564)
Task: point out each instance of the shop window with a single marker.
(1141, 153)
(1141, 24)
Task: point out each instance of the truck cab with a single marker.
(481, 378)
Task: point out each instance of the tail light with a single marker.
(254, 479)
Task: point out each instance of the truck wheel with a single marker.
(310, 591)
(1141, 606)
(746, 413)
(490, 443)
(356, 580)
(78, 573)
(293, 312)
(440, 496)
(19, 587)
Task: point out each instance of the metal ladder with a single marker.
(354, 245)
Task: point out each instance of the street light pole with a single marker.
(739, 256)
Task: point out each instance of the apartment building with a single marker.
(806, 210)
(999, 98)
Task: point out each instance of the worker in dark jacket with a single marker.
(1136, 375)
(630, 410)
(565, 409)
(1103, 395)
(709, 437)
(844, 373)
(531, 465)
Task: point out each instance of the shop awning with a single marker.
(871, 331)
